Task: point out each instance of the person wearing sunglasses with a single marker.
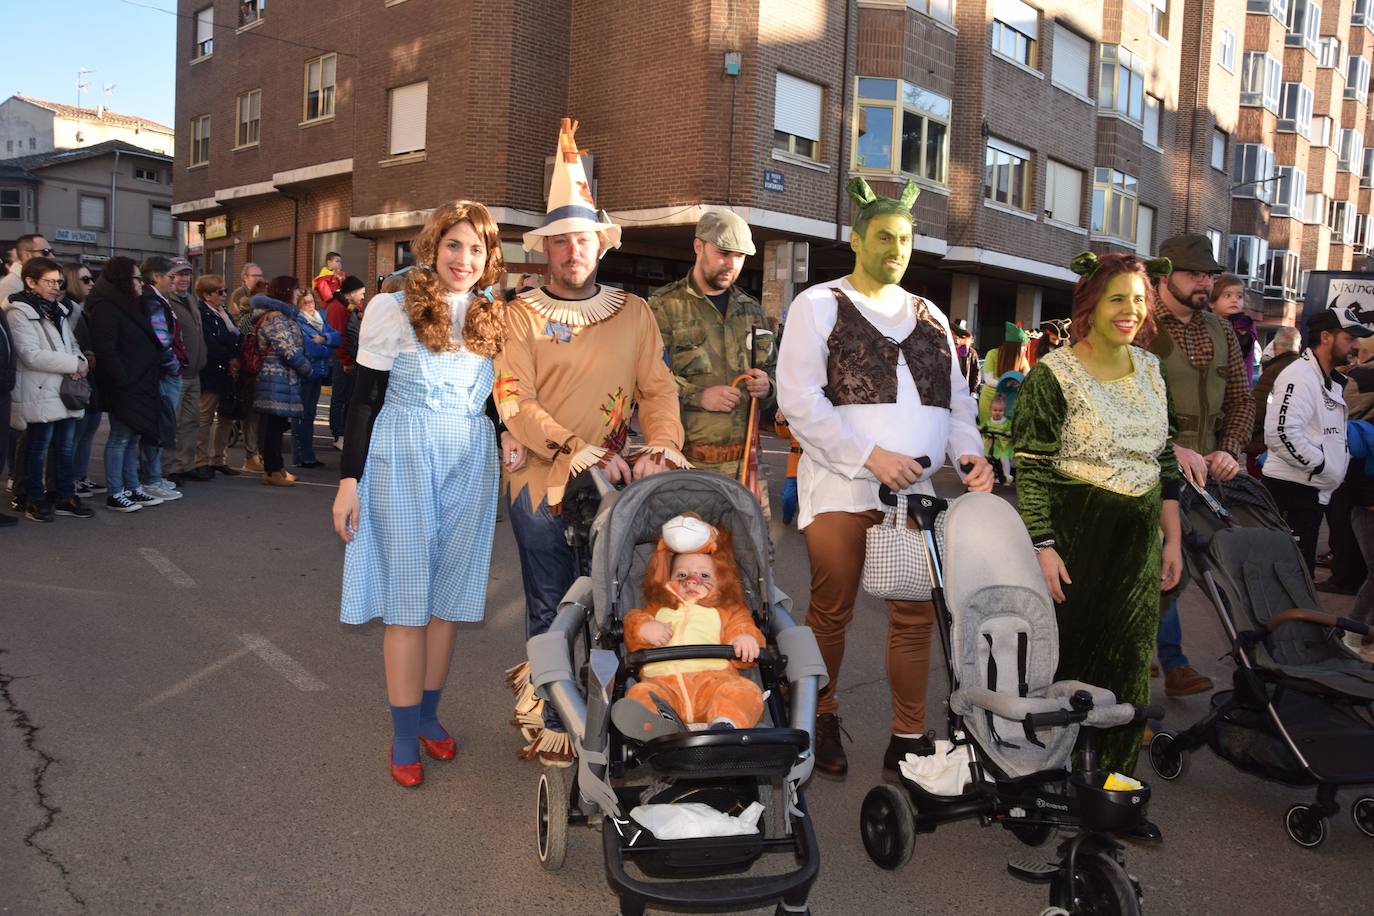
(77, 288)
(26, 247)
(47, 352)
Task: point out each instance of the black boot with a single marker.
(899, 747)
(830, 758)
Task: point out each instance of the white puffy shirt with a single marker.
(385, 332)
(837, 440)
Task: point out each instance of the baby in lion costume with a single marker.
(692, 596)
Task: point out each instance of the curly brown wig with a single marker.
(426, 299)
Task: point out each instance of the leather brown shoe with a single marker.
(830, 758)
(1184, 682)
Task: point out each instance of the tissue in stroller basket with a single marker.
(690, 820)
(945, 772)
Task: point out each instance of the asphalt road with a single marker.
(185, 727)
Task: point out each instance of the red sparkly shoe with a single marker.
(408, 775)
(442, 749)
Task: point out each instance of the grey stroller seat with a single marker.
(1005, 642)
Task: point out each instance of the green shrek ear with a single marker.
(910, 191)
(859, 192)
(1159, 268)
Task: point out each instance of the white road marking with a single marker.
(173, 573)
(281, 663)
(187, 683)
(63, 589)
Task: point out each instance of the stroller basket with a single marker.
(1106, 810)
(1245, 736)
(739, 752)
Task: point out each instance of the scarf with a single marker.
(315, 318)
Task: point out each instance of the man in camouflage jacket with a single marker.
(708, 326)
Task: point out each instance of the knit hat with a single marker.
(571, 207)
(350, 284)
(1015, 334)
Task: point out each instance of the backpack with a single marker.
(250, 356)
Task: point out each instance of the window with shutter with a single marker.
(205, 32)
(1064, 194)
(1015, 30)
(92, 212)
(1071, 62)
(408, 111)
(1219, 150)
(1144, 230)
(1150, 129)
(797, 116)
(161, 222)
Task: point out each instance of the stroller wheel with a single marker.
(886, 825)
(1098, 886)
(551, 818)
(1305, 826)
(1166, 760)
(1362, 813)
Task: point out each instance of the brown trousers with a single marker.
(835, 542)
(212, 435)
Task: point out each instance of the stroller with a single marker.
(1300, 711)
(581, 667)
(1013, 728)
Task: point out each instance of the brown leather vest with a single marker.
(863, 363)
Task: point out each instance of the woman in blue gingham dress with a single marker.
(427, 497)
(417, 489)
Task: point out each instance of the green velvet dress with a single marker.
(1093, 464)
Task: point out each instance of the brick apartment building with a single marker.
(1034, 130)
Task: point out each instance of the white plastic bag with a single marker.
(943, 773)
(693, 819)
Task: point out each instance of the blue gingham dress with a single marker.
(427, 496)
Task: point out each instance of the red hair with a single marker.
(1090, 290)
(727, 592)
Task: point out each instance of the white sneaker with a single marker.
(338, 444)
(166, 484)
(161, 493)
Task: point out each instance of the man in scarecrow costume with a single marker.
(577, 358)
(870, 381)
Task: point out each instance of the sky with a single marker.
(127, 45)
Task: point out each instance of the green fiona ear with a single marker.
(1159, 268)
(1085, 264)
(859, 192)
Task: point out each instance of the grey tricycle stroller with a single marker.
(582, 668)
(1013, 727)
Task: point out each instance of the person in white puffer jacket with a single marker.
(1304, 426)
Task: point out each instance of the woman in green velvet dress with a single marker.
(1096, 482)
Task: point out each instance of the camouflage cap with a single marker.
(726, 230)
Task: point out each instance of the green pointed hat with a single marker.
(1016, 334)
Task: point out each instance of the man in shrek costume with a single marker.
(870, 382)
(1096, 482)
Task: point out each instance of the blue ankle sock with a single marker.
(405, 721)
(429, 716)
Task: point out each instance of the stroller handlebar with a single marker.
(636, 660)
